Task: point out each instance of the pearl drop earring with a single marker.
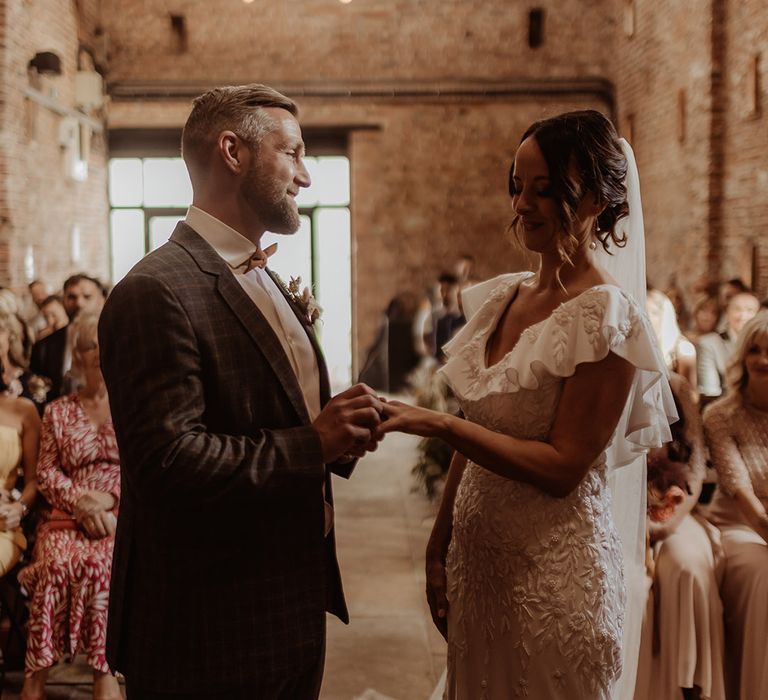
(592, 245)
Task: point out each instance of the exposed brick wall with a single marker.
(745, 202)
(429, 178)
(320, 40)
(429, 174)
(705, 197)
(39, 205)
(662, 69)
(427, 185)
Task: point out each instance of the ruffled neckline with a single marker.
(505, 295)
(582, 329)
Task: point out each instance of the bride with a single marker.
(562, 391)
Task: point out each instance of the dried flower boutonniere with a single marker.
(302, 298)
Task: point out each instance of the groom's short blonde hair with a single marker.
(237, 108)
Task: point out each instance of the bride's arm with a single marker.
(437, 547)
(589, 409)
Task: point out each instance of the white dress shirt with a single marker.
(235, 249)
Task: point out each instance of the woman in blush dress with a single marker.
(683, 645)
(561, 384)
(682, 652)
(737, 433)
(78, 472)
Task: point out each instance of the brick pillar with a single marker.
(717, 141)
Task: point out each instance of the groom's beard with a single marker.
(270, 201)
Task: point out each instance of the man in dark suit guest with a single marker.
(50, 357)
(225, 561)
(448, 318)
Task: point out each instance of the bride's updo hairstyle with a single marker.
(583, 154)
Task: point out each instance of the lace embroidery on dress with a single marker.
(530, 575)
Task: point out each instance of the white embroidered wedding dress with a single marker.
(535, 583)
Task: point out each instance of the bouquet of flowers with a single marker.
(667, 485)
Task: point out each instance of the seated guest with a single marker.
(50, 356)
(706, 314)
(54, 315)
(715, 349)
(679, 352)
(19, 436)
(737, 432)
(79, 474)
(16, 378)
(730, 288)
(38, 293)
(686, 617)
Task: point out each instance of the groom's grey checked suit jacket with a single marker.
(221, 574)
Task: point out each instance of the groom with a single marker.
(225, 561)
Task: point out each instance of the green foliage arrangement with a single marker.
(434, 454)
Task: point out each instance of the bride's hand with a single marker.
(414, 420)
(436, 593)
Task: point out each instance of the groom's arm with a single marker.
(152, 366)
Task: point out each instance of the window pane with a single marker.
(160, 229)
(330, 181)
(294, 253)
(125, 182)
(127, 231)
(166, 183)
(334, 292)
(307, 197)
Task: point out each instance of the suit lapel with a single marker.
(261, 332)
(325, 388)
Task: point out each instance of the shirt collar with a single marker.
(231, 246)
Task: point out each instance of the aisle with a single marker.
(390, 646)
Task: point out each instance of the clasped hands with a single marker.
(93, 513)
(11, 511)
(356, 420)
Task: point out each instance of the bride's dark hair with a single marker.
(583, 154)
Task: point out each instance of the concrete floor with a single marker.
(390, 650)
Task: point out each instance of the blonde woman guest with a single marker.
(737, 432)
(685, 618)
(17, 378)
(79, 473)
(19, 436)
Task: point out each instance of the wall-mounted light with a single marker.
(345, 2)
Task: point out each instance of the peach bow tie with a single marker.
(258, 259)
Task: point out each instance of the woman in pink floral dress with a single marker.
(79, 474)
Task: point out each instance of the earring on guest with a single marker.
(592, 245)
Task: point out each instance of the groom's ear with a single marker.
(232, 152)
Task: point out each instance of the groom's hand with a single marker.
(348, 423)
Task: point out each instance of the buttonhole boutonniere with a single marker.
(303, 299)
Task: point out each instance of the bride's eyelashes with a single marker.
(516, 190)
